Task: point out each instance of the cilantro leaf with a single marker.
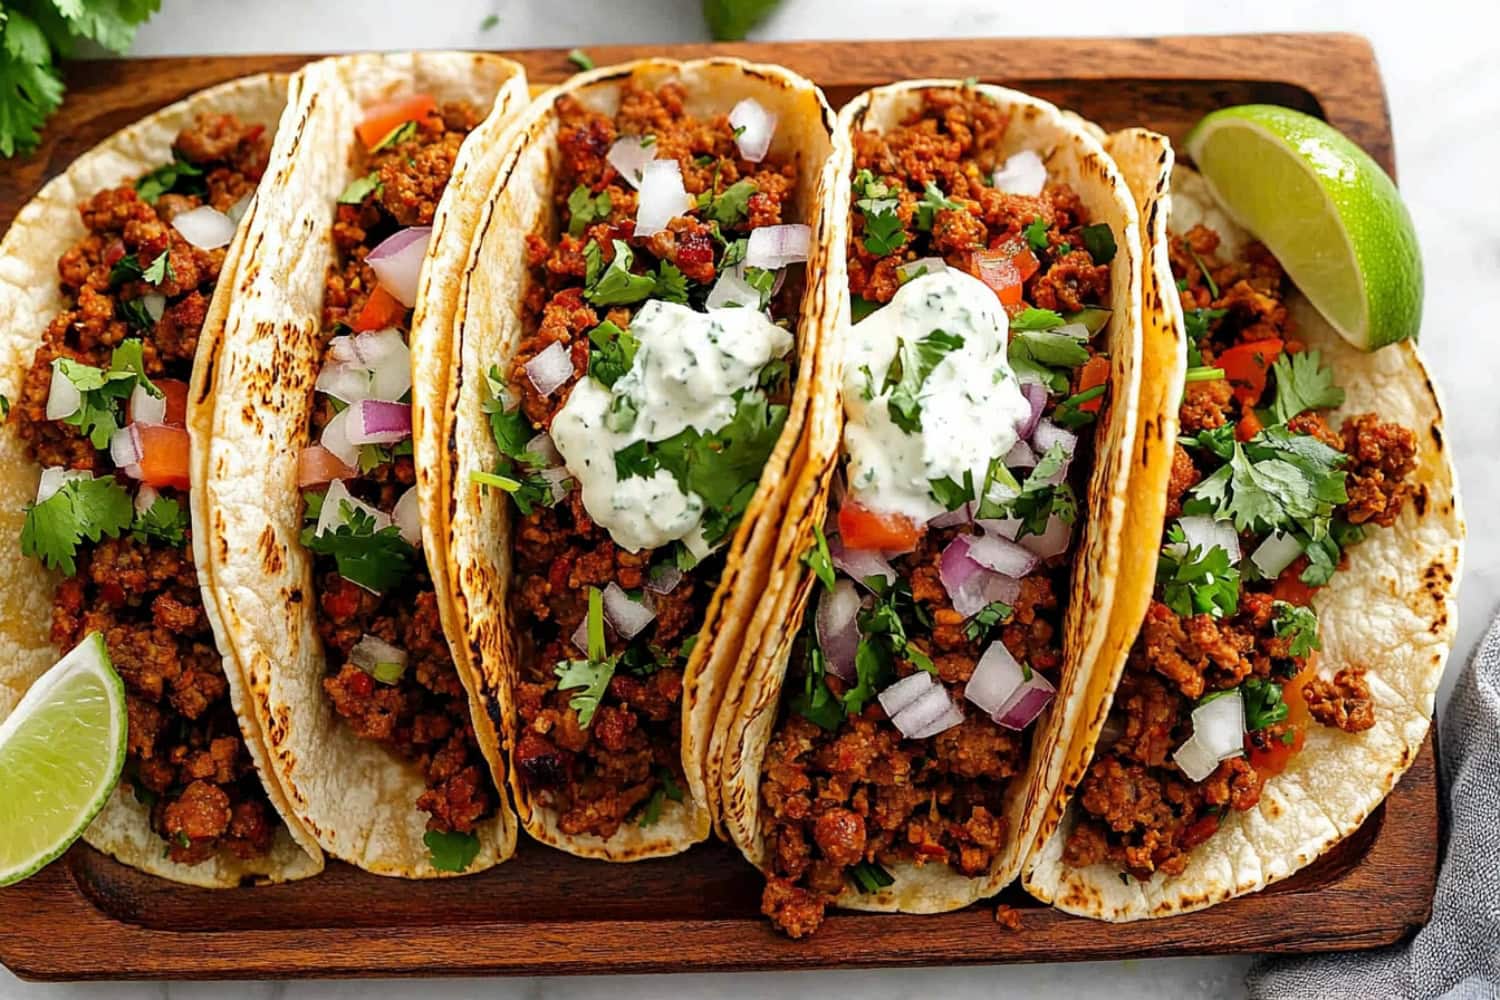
(396, 136)
(1196, 582)
(986, 618)
(815, 702)
(666, 788)
(818, 559)
(1032, 318)
(884, 233)
(1302, 383)
(670, 284)
(81, 509)
(160, 270)
(165, 520)
(1277, 481)
(613, 353)
(451, 851)
(915, 360)
(585, 207)
(617, 286)
(1100, 242)
(1070, 412)
(728, 206)
(102, 393)
(1036, 234)
(1297, 623)
(1264, 705)
(861, 307)
(931, 203)
(869, 877)
(360, 188)
(376, 560)
(591, 676)
(178, 177)
(1037, 500)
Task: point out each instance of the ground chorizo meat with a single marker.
(1137, 809)
(185, 757)
(615, 763)
(424, 714)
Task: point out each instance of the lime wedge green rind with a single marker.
(61, 752)
(1329, 213)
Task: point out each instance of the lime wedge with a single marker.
(1325, 209)
(61, 752)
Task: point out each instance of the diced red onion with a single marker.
(542, 446)
(971, 586)
(376, 421)
(1020, 456)
(205, 227)
(550, 369)
(1205, 533)
(756, 126)
(1023, 173)
(371, 651)
(63, 397)
(1002, 556)
(931, 713)
(837, 627)
(125, 450)
(146, 408)
(155, 305)
(407, 516)
(662, 197)
(332, 514)
(627, 616)
(1036, 396)
(397, 262)
(1046, 434)
(1195, 760)
(559, 481)
(731, 290)
(953, 518)
(1052, 541)
(629, 155)
(774, 247)
(53, 477)
(580, 636)
(238, 209)
(922, 265)
(1002, 527)
(1028, 701)
(1219, 725)
(905, 692)
(144, 498)
(996, 677)
(1275, 554)
(663, 579)
(860, 564)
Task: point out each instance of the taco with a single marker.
(901, 694)
(302, 426)
(630, 375)
(1283, 677)
(107, 278)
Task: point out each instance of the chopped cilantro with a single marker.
(177, 177)
(585, 207)
(1032, 318)
(1263, 703)
(1208, 279)
(1036, 234)
(818, 559)
(591, 676)
(1196, 582)
(1277, 481)
(1202, 373)
(861, 307)
(1197, 321)
(932, 202)
(376, 560)
(815, 702)
(165, 520)
(1100, 242)
(396, 136)
(914, 361)
(360, 188)
(613, 353)
(986, 618)
(1302, 383)
(883, 231)
(1036, 500)
(81, 509)
(670, 284)
(581, 59)
(666, 788)
(160, 270)
(102, 393)
(451, 851)
(728, 206)
(127, 268)
(1298, 624)
(1070, 412)
(617, 286)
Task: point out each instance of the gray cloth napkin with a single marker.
(1458, 953)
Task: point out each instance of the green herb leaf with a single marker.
(613, 353)
(165, 520)
(586, 208)
(160, 270)
(396, 136)
(915, 360)
(82, 509)
(1263, 703)
(1100, 243)
(1297, 623)
(729, 206)
(1036, 319)
(581, 59)
(617, 286)
(869, 877)
(931, 203)
(670, 284)
(360, 188)
(377, 560)
(1302, 383)
(818, 559)
(1196, 581)
(1036, 234)
(976, 629)
(451, 851)
(666, 788)
(731, 20)
(177, 177)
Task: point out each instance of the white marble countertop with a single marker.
(1439, 65)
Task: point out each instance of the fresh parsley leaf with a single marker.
(1277, 481)
(1196, 582)
(103, 393)
(1036, 234)
(818, 559)
(1055, 350)
(1263, 703)
(360, 188)
(451, 851)
(82, 509)
(1036, 500)
(1297, 623)
(1031, 318)
(617, 286)
(581, 59)
(729, 206)
(1218, 440)
(165, 520)
(869, 877)
(1302, 383)
(670, 284)
(585, 208)
(613, 353)
(931, 203)
(986, 618)
(376, 560)
(1202, 373)
(1099, 241)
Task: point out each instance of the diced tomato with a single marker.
(176, 392)
(1249, 425)
(866, 529)
(164, 455)
(1001, 274)
(317, 465)
(1247, 365)
(1020, 254)
(381, 309)
(1289, 586)
(382, 118)
(1095, 371)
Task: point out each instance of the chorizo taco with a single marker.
(634, 333)
(108, 277)
(890, 743)
(302, 425)
(1282, 677)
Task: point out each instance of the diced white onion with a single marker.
(1219, 725)
(755, 125)
(205, 227)
(63, 397)
(732, 291)
(628, 617)
(542, 446)
(663, 579)
(629, 155)
(996, 677)
(155, 305)
(930, 714)
(1205, 533)
(332, 514)
(860, 564)
(559, 481)
(53, 477)
(1002, 527)
(1020, 456)
(1194, 760)
(662, 197)
(372, 651)
(238, 209)
(389, 361)
(922, 265)
(1275, 554)
(905, 691)
(407, 516)
(1052, 541)
(774, 247)
(550, 369)
(146, 408)
(336, 438)
(344, 382)
(1023, 173)
(1046, 434)
(144, 498)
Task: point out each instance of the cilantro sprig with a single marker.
(589, 677)
(1297, 624)
(375, 559)
(450, 850)
(1195, 581)
(81, 509)
(102, 392)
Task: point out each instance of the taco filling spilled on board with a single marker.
(391, 676)
(970, 384)
(102, 411)
(1222, 685)
(643, 401)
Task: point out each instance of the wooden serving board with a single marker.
(87, 917)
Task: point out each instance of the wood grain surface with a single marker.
(544, 912)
